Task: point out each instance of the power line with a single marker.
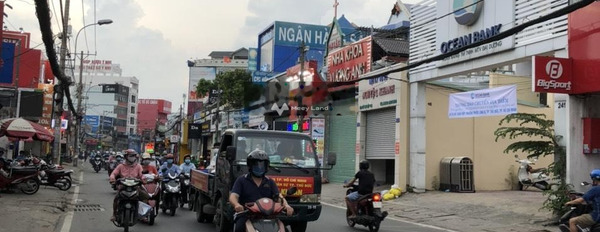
(54, 15)
(84, 32)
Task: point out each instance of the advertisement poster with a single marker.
(197, 73)
(318, 135)
(485, 102)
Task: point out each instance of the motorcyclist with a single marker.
(147, 168)
(253, 186)
(129, 169)
(168, 166)
(591, 197)
(187, 165)
(366, 182)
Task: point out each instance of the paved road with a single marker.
(95, 190)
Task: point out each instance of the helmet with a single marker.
(364, 165)
(146, 156)
(130, 152)
(595, 174)
(119, 156)
(258, 163)
(169, 156)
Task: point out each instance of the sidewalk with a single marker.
(40, 212)
(492, 211)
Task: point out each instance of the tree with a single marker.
(237, 88)
(544, 142)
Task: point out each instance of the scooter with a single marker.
(97, 163)
(262, 214)
(56, 176)
(577, 210)
(368, 210)
(128, 209)
(26, 178)
(152, 187)
(171, 193)
(528, 176)
(185, 190)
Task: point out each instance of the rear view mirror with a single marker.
(331, 158)
(230, 155)
(585, 183)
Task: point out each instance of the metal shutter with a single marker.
(342, 136)
(380, 133)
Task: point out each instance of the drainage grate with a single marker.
(88, 208)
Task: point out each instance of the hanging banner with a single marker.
(485, 102)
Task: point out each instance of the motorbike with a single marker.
(185, 190)
(528, 176)
(368, 212)
(112, 165)
(97, 163)
(106, 158)
(577, 210)
(129, 209)
(25, 178)
(56, 176)
(262, 214)
(171, 193)
(152, 187)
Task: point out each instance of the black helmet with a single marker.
(364, 165)
(258, 163)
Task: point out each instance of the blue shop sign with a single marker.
(293, 34)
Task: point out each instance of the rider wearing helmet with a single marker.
(147, 168)
(365, 186)
(253, 186)
(169, 166)
(591, 197)
(187, 165)
(129, 169)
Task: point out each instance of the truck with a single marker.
(293, 163)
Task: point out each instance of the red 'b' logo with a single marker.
(554, 69)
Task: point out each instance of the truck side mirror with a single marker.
(331, 158)
(230, 155)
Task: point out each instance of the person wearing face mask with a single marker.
(253, 186)
(147, 168)
(187, 165)
(168, 166)
(129, 169)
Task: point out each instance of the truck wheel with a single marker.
(200, 217)
(299, 226)
(219, 219)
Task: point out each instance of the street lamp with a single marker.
(80, 85)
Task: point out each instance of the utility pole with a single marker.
(79, 109)
(301, 89)
(58, 89)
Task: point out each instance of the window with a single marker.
(133, 109)
(131, 120)
(133, 98)
(130, 131)
(281, 150)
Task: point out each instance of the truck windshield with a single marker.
(298, 151)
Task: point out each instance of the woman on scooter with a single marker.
(146, 167)
(591, 197)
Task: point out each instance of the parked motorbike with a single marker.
(25, 178)
(152, 187)
(577, 210)
(185, 190)
(171, 193)
(56, 176)
(262, 214)
(128, 209)
(529, 176)
(368, 212)
(97, 163)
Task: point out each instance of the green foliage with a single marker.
(543, 142)
(238, 89)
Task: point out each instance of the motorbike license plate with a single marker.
(377, 204)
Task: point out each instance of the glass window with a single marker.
(133, 98)
(281, 150)
(131, 120)
(133, 109)
(130, 131)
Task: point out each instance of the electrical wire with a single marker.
(54, 16)
(84, 32)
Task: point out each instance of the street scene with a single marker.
(283, 115)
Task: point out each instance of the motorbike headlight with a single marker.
(186, 182)
(310, 198)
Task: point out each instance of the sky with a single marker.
(152, 39)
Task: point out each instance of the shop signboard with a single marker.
(470, 24)
(292, 34)
(197, 73)
(255, 120)
(6, 70)
(552, 75)
(205, 128)
(252, 59)
(48, 90)
(376, 93)
(348, 63)
(485, 102)
(194, 131)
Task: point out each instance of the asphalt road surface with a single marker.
(94, 205)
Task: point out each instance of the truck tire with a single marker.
(200, 216)
(299, 226)
(219, 219)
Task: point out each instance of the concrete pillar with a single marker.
(523, 68)
(417, 136)
(401, 170)
(361, 136)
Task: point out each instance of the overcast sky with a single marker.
(153, 39)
